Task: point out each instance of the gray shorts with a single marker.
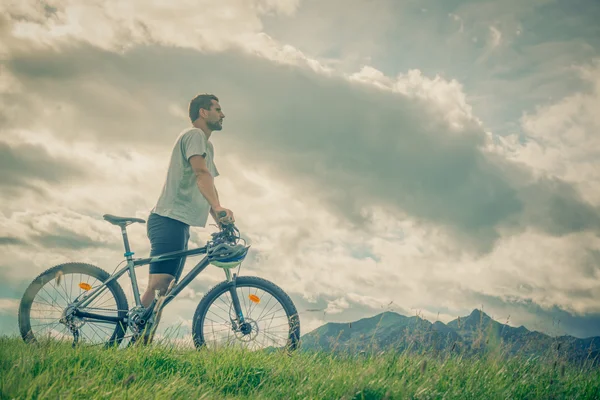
(167, 235)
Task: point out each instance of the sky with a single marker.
(422, 157)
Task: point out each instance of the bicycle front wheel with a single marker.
(270, 317)
(42, 308)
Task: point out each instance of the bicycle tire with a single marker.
(275, 291)
(24, 314)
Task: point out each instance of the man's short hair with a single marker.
(204, 101)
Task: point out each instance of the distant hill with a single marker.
(475, 333)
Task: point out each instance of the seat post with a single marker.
(128, 252)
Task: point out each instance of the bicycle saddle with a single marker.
(122, 220)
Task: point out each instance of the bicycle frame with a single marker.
(177, 288)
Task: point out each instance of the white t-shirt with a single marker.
(180, 198)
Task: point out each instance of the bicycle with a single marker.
(243, 309)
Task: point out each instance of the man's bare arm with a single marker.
(205, 181)
(206, 185)
(212, 211)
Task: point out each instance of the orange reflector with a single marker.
(254, 298)
(85, 286)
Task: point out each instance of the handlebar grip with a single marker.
(222, 214)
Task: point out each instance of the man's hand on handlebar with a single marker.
(224, 216)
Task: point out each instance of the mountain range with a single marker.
(473, 334)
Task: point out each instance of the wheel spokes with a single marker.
(54, 296)
(266, 316)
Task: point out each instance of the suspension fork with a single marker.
(234, 297)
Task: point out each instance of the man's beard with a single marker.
(214, 126)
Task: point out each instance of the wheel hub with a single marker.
(72, 322)
(134, 319)
(69, 319)
(247, 331)
(246, 328)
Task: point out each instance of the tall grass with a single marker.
(166, 371)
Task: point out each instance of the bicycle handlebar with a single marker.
(228, 230)
(222, 214)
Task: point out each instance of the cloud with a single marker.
(529, 66)
(61, 229)
(115, 25)
(562, 139)
(8, 306)
(413, 147)
(560, 145)
(458, 19)
(9, 240)
(66, 239)
(492, 43)
(25, 166)
(337, 306)
(495, 37)
(553, 321)
(442, 97)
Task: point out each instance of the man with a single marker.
(188, 194)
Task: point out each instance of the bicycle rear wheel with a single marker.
(272, 321)
(45, 300)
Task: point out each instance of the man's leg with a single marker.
(156, 282)
(162, 283)
(166, 235)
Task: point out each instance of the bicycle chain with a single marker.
(102, 309)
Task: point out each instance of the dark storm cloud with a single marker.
(349, 144)
(24, 165)
(555, 320)
(9, 240)
(65, 239)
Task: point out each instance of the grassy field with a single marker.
(162, 371)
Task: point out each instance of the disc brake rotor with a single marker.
(248, 331)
